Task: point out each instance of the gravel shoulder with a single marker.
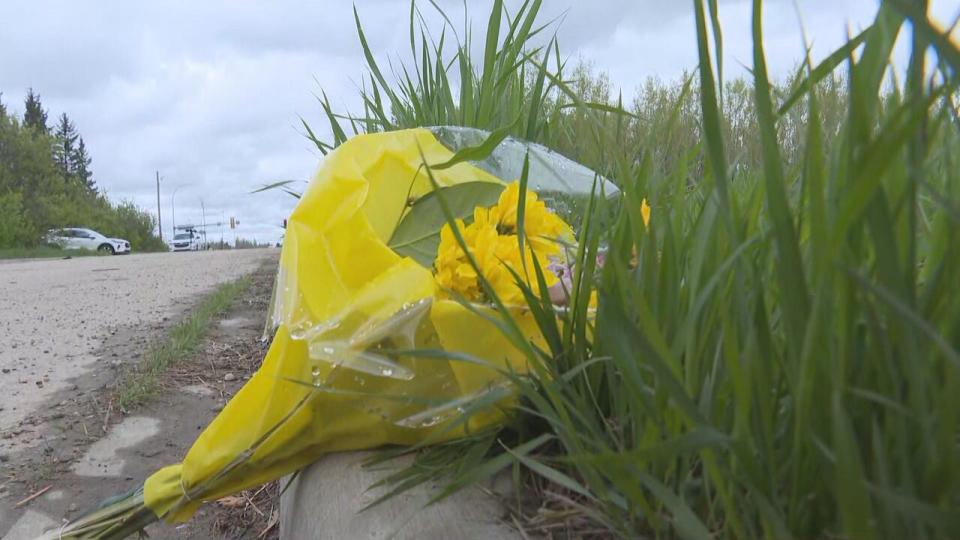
(55, 315)
(71, 326)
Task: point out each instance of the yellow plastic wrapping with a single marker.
(344, 302)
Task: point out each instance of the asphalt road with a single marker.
(55, 314)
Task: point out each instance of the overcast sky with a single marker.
(210, 92)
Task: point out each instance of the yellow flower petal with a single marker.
(492, 241)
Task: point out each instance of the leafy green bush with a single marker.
(11, 219)
(35, 195)
(126, 220)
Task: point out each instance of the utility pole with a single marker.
(159, 219)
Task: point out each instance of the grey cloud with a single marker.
(210, 93)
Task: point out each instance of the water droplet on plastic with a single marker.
(432, 421)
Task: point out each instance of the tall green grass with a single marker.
(778, 354)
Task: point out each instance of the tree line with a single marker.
(46, 181)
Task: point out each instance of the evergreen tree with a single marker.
(35, 198)
(3, 108)
(34, 116)
(80, 166)
(64, 146)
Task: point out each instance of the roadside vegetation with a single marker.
(143, 381)
(45, 252)
(778, 353)
(46, 181)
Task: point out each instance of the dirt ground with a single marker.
(77, 448)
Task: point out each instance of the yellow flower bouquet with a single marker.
(384, 330)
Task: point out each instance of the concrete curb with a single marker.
(325, 500)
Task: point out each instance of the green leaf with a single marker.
(944, 520)
(371, 62)
(322, 146)
(281, 185)
(480, 151)
(687, 524)
(790, 267)
(717, 42)
(418, 234)
(553, 475)
(490, 467)
(941, 39)
(710, 110)
(853, 500)
(823, 69)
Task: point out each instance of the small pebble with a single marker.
(229, 377)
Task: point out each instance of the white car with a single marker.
(75, 238)
(186, 241)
